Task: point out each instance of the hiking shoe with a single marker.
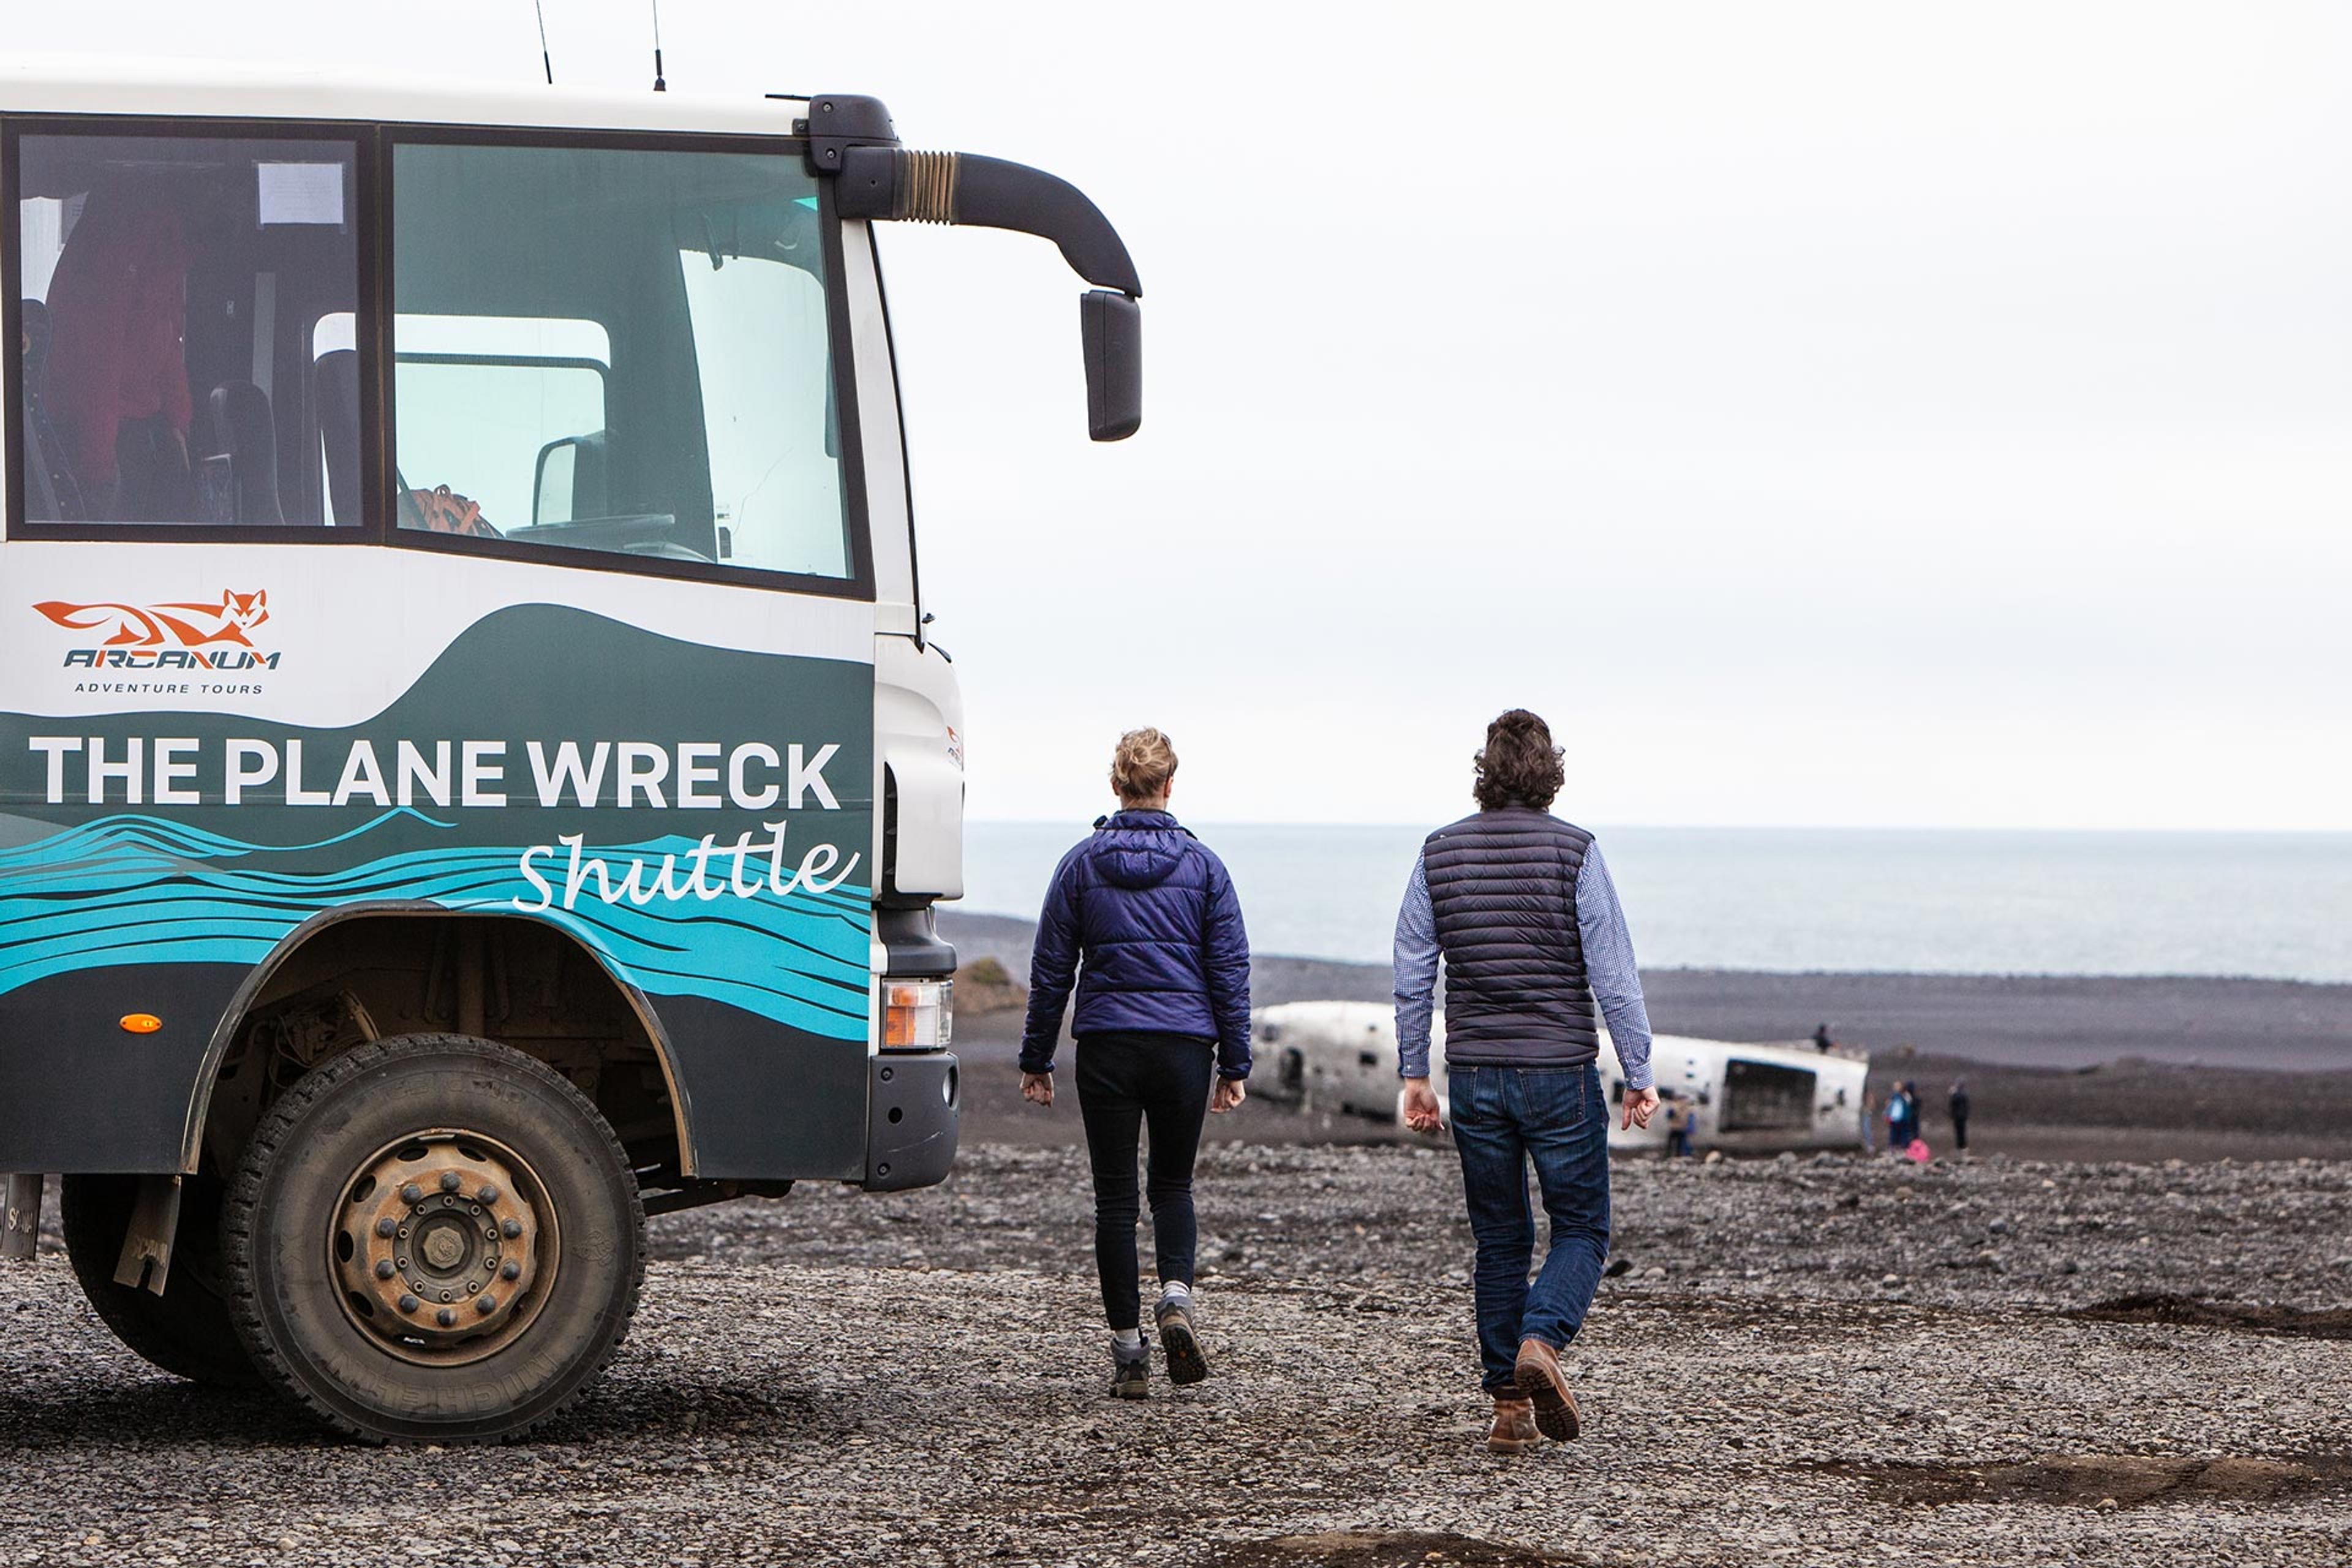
(1514, 1431)
(1541, 1382)
(1186, 1362)
(1131, 1377)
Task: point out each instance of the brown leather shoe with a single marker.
(1514, 1431)
(1540, 1380)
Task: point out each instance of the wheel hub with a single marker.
(444, 1248)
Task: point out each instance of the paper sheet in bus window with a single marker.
(301, 193)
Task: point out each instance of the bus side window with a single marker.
(616, 349)
(169, 286)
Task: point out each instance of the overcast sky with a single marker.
(1859, 414)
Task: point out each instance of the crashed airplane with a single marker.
(1341, 1056)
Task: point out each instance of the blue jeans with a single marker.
(1504, 1116)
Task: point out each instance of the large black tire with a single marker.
(186, 1330)
(289, 1209)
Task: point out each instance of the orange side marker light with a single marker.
(141, 1023)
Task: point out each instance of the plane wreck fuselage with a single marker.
(1341, 1058)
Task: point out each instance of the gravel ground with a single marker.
(1818, 1361)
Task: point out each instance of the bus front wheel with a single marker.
(433, 1238)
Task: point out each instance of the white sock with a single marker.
(1176, 1290)
(1128, 1339)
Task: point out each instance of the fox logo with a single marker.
(158, 626)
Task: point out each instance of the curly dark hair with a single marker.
(1519, 765)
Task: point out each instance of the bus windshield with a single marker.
(616, 349)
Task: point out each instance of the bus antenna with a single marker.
(659, 85)
(544, 58)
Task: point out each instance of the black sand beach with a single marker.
(2060, 1067)
(2113, 1361)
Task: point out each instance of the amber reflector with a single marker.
(141, 1023)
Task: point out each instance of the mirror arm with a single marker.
(851, 140)
(893, 183)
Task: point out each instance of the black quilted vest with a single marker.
(1503, 885)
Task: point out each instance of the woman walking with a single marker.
(1143, 918)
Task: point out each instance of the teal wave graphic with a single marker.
(141, 889)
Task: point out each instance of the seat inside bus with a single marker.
(336, 377)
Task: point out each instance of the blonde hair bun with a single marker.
(1142, 765)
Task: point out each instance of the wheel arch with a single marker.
(243, 1003)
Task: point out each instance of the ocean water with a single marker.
(2272, 905)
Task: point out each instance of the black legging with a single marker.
(1126, 1081)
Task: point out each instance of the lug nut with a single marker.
(511, 1269)
(384, 1268)
(445, 1318)
(489, 1195)
(385, 1227)
(409, 1303)
(451, 1181)
(486, 1305)
(510, 1229)
(412, 1194)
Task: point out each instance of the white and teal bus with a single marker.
(474, 770)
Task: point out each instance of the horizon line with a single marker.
(2344, 832)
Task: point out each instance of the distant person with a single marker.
(1959, 1107)
(117, 367)
(1519, 906)
(1144, 918)
(1911, 1111)
(1678, 1124)
(1898, 1119)
(1821, 1041)
(1870, 1123)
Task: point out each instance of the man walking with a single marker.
(1519, 907)
(1960, 1115)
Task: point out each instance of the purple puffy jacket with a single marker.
(1150, 911)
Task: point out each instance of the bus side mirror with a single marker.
(551, 486)
(1110, 330)
(568, 482)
